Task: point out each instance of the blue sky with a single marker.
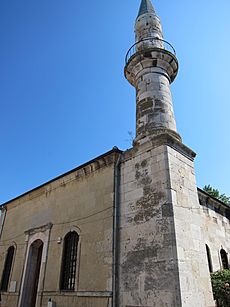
(64, 99)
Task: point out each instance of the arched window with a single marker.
(224, 259)
(69, 262)
(7, 268)
(209, 258)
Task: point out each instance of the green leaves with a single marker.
(221, 287)
(215, 193)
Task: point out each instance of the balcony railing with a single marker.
(139, 46)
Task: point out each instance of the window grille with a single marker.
(7, 268)
(69, 261)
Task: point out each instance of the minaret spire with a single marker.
(145, 7)
(151, 66)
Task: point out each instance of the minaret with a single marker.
(151, 66)
(161, 253)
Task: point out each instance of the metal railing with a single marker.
(164, 45)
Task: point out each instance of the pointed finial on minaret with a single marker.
(145, 7)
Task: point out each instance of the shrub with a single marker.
(221, 287)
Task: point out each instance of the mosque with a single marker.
(128, 228)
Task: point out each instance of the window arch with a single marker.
(224, 259)
(69, 261)
(209, 258)
(7, 268)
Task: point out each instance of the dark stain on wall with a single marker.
(150, 259)
(159, 276)
(147, 206)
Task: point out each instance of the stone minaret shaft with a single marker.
(150, 68)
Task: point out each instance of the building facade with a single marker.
(129, 228)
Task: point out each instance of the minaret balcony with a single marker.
(153, 54)
(149, 43)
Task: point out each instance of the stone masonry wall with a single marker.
(148, 268)
(154, 102)
(80, 201)
(192, 261)
(162, 252)
(216, 228)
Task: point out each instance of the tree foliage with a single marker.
(215, 193)
(221, 287)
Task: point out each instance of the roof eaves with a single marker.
(114, 150)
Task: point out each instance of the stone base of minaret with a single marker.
(162, 260)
